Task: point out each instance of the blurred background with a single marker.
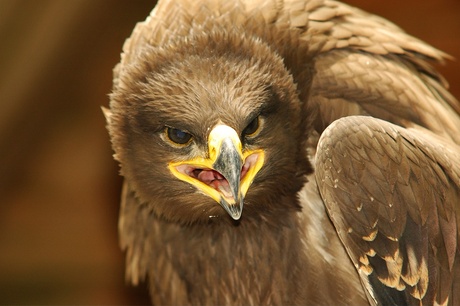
(59, 186)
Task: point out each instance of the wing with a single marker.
(133, 236)
(393, 195)
(388, 189)
(365, 65)
(138, 230)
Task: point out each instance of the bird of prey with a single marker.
(289, 152)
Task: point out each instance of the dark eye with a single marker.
(252, 128)
(178, 136)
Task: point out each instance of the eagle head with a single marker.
(206, 123)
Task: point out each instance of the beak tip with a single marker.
(234, 210)
(236, 216)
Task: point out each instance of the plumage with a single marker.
(285, 152)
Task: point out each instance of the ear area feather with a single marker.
(107, 114)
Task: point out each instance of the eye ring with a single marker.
(252, 128)
(177, 136)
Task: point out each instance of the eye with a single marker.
(177, 136)
(252, 128)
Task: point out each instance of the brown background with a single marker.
(58, 183)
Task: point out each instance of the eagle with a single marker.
(285, 152)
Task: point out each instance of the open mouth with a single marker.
(214, 178)
(225, 173)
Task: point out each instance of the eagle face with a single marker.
(208, 123)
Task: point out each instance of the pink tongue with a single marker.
(207, 176)
(215, 180)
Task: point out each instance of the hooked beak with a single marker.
(226, 174)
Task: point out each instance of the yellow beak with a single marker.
(226, 174)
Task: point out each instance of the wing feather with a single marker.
(132, 235)
(404, 231)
